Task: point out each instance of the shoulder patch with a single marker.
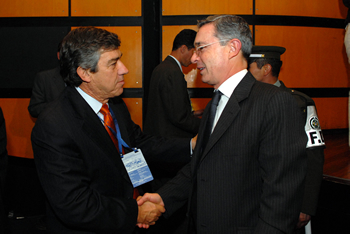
(313, 128)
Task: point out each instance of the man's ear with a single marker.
(267, 69)
(235, 47)
(183, 49)
(84, 74)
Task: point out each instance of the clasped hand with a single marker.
(151, 206)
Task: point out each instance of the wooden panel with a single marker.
(19, 125)
(199, 103)
(330, 8)
(332, 112)
(315, 57)
(131, 44)
(20, 8)
(106, 8)
(135, 108)
(207, 7)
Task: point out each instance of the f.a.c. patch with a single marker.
(313, 128)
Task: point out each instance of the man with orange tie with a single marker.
(89, 154)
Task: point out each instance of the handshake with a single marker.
(151, 206)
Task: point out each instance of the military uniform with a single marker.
(315, 145)
(314, 150)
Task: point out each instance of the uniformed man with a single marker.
(265, 64)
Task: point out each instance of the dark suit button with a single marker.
(202, 179)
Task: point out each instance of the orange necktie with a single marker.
(109, 124)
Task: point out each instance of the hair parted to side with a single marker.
(228, 27)
(82, 47)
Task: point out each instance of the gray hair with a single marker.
(82, 47)
(228, 27)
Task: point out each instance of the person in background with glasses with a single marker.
(248, 168)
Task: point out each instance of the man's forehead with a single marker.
(204, 34)
(110, 54)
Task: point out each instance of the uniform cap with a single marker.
(273, 52)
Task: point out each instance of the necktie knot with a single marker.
(108, 120)
(105, 110)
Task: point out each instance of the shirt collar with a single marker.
(93, 103)
(178, 63)
(278, 83)
(231, 83)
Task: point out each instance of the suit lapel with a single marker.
(91, 125)
(230, 112)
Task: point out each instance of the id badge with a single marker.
(137, 168)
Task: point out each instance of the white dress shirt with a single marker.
(227, 89)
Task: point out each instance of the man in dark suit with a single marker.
(48, 85)
(265, 65)
(82, 139)
(169, 107)
(170, 114)
(249, 164)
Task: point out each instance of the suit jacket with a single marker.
(86, 184)
(249, 177)
(315, 158)
(169, 107)
(47, 87)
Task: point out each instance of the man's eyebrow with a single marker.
(114, 59)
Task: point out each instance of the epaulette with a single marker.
(308, 100)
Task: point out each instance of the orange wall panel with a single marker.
(135, 108)
(315, 57)
(106, 8)
(332, 112)
(131, 47)
(206, 7)
(329, 8)
(199, 103)
(19, 125)
(38, 8)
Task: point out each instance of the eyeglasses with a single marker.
(198, 50)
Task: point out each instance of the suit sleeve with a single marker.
(177, 103)
(282, 160)
(69, 186)
(175, 193)
(313, 180)
(38, 100)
